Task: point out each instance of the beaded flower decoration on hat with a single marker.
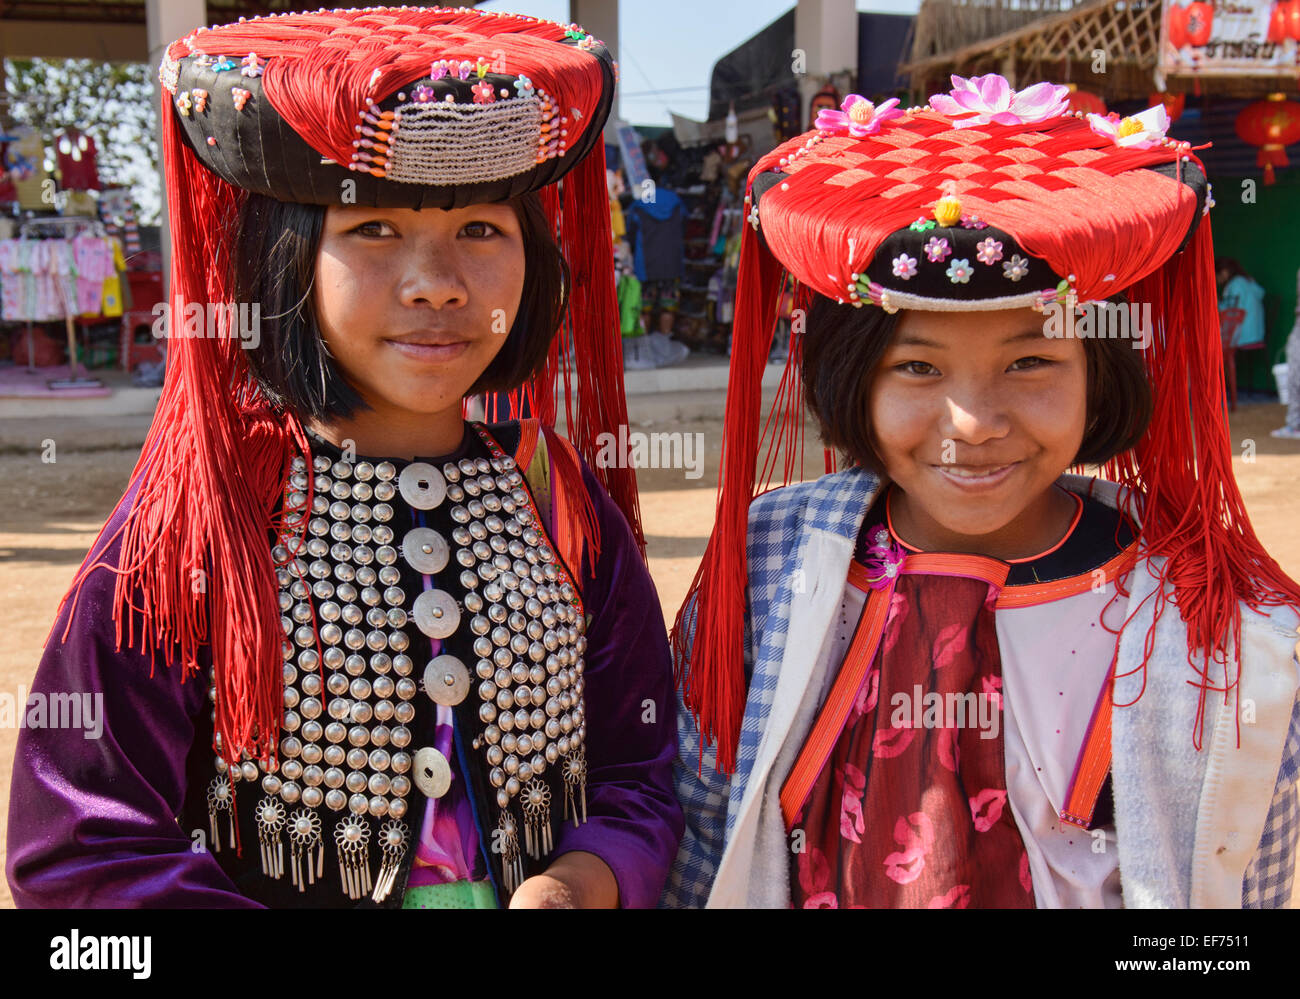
(410, 107)
(988, 198)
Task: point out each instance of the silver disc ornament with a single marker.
(446, 680)
(432, 772)
(425, 550)
(422, 485)
(436, 613)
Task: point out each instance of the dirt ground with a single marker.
(52, 512)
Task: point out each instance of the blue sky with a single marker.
(668, 47)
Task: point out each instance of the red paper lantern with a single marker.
(1174, 103)
(1200, 20)
(1277, 26)
(1271, 124)
(1291, 17)
(1177, 26)
(1081, 100)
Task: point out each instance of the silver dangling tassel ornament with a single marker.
(392, 840)
(270, 820)
(304, 835)
(219, 801)
(575, 785)
(512, 862)
(352, 838)
(536, 800)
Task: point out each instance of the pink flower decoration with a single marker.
(868, 694)
(951, 640)
(483, 92)
(986, 808)
(906, 865)
(993, 689)
(884, 560)
(904, 266)
(957, 898)
(858, 116)
(464, 69)
(1026, 881)
(989, 98)
(890, 742)
(422, 93)
(949, 750)
(1151, 124)
(438, 70)
(973, 222)
(937, 249)
(852, 823)
(988, 251)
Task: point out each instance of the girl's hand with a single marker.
(576, 880)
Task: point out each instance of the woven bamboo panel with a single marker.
(1062, 49)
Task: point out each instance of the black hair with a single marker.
(843, 346)
(273, 263)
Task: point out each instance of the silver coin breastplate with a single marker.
(351, 685)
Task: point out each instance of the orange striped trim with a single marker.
(1029, 594)
(1094, 762)
(858, 576)
(829, 724)
(990, 570)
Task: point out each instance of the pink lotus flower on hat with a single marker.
(991, 99)
(1141, 131)
(858, 116)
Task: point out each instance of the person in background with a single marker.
(1239, 291)
(1291, 429)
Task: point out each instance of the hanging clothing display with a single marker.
(75, 155)
(25, 161)
(656, 230)
(47, 279)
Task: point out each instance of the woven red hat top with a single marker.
(476, 106)
(990, 199)
(928, 210)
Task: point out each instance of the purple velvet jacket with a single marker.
(93, 822)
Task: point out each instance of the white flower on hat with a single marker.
(1141, 131)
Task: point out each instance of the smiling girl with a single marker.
(385, 656)
(955, 674)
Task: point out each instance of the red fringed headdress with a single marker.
(1001, 201)
(409, 107)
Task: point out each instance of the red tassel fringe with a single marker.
(714, 686)
(1193, 515)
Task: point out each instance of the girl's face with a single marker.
(414, 305)
(975, 415)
